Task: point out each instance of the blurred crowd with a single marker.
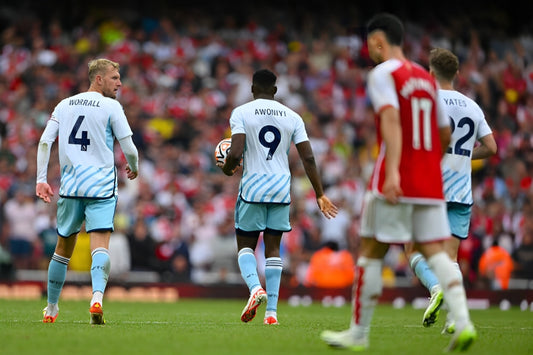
(183, 73)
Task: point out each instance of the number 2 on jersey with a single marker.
(458, 148)
(83, 141)
(273, 144)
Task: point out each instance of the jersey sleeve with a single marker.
(381, 89)
(45, 145)
(483, 129)
(119, 122)
(51, 130)
(300, 134)
(236, 122)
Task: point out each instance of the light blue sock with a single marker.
(273, 269)
(100, 269)
(57, 273)
(423, 271)
(248, 266)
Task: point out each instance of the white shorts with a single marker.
(403, 222)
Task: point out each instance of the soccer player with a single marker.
(87, 125)
(468, 127)
(262, 132)
(404, 201)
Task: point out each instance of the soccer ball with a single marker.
(222, 150)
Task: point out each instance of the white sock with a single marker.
(98, 297)
(254, 290)
(271, 314)
(455, 295)
(367, 290)
(458, 271)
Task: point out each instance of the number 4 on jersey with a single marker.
(83, 141)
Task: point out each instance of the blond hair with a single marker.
(100, 66)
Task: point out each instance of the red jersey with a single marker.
(413, 91)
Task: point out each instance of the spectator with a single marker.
(119, 249)
(20, 212)
(496, 266)
(225, 267)
(179, 268)
(142, 248)
(523, 257)
(330, 268)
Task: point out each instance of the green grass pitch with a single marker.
(209, 326)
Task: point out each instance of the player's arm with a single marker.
(235, 153)
(487, 148)
(42, 188)
(328, 209)
(445, 130)
(132, 156)
(391, 134)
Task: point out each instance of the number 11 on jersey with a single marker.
(421, 112)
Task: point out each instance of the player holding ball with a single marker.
(262, 132)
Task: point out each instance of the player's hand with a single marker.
(131, 174)
(228, 172)
(44, 191)
(391, 187)
(328, 209)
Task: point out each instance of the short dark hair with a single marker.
(390, 25)
(443, 63)
(264, 78)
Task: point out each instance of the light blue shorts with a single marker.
(459, 217)
(251, 217)
(97, 214)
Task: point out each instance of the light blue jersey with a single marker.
(468, 126)
(270, 128)
(87, 125)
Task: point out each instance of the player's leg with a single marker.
(454, 294)
(459, 218)
(430, 228)
(99, 224)
(452, 246)
(368, 280)
(277, 223)
(273, 271)
(429, 280)
(246, 243)
(69, 220)
(420, 267)
(57, 273)
(100, 268)
(367, 289)
(249, 222)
